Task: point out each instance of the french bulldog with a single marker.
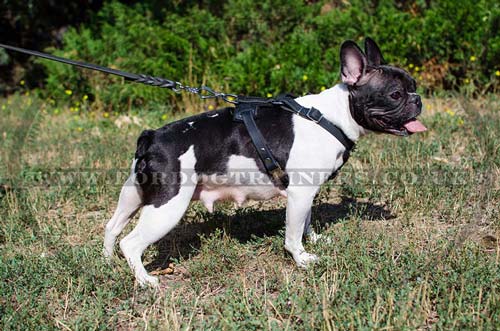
(196, 158)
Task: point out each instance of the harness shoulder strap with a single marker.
(288, 103)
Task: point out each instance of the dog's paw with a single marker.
(304, 260)
(148, 281)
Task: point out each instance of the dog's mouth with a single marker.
(409, 128)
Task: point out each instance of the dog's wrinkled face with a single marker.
(382, 98)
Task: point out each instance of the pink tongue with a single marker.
(415, 126)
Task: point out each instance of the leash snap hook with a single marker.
(231, 98)
(207, 93)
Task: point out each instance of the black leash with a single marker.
(204, 92)
(245, 108)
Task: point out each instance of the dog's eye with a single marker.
(396, 95)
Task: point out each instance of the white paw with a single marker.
(305, 259)
(148, 281)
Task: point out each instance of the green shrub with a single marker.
(261, 47)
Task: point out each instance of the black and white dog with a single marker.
(206, 148)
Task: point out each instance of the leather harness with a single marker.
(246, 110)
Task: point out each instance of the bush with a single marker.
(261, 47)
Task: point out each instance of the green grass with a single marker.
(414, 225)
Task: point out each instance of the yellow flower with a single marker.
(164, 117)
(497, 73)
(230, 98)
(304, 78)
(85, 97)
(323, 88)
(211, 107)
(450, 112)
(460, 122)
(466, 80)
(411, 66)
(473, 58)
(105, 115)
(269, 95)
(68, 92)
(22, 83)
(79, 129)
(417, 69)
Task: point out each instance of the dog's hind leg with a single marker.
(155, 222)
(128, 204)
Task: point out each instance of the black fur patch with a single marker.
(215, 137)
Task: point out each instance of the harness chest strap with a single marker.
(246, 111)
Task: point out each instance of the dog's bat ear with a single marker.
(373, 53)
(352, 62)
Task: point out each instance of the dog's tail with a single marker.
(145, 140)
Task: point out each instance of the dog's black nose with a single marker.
(416, 100)
(419, 101)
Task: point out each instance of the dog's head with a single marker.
(382, 98)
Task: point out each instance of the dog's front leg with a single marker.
(297, 211)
